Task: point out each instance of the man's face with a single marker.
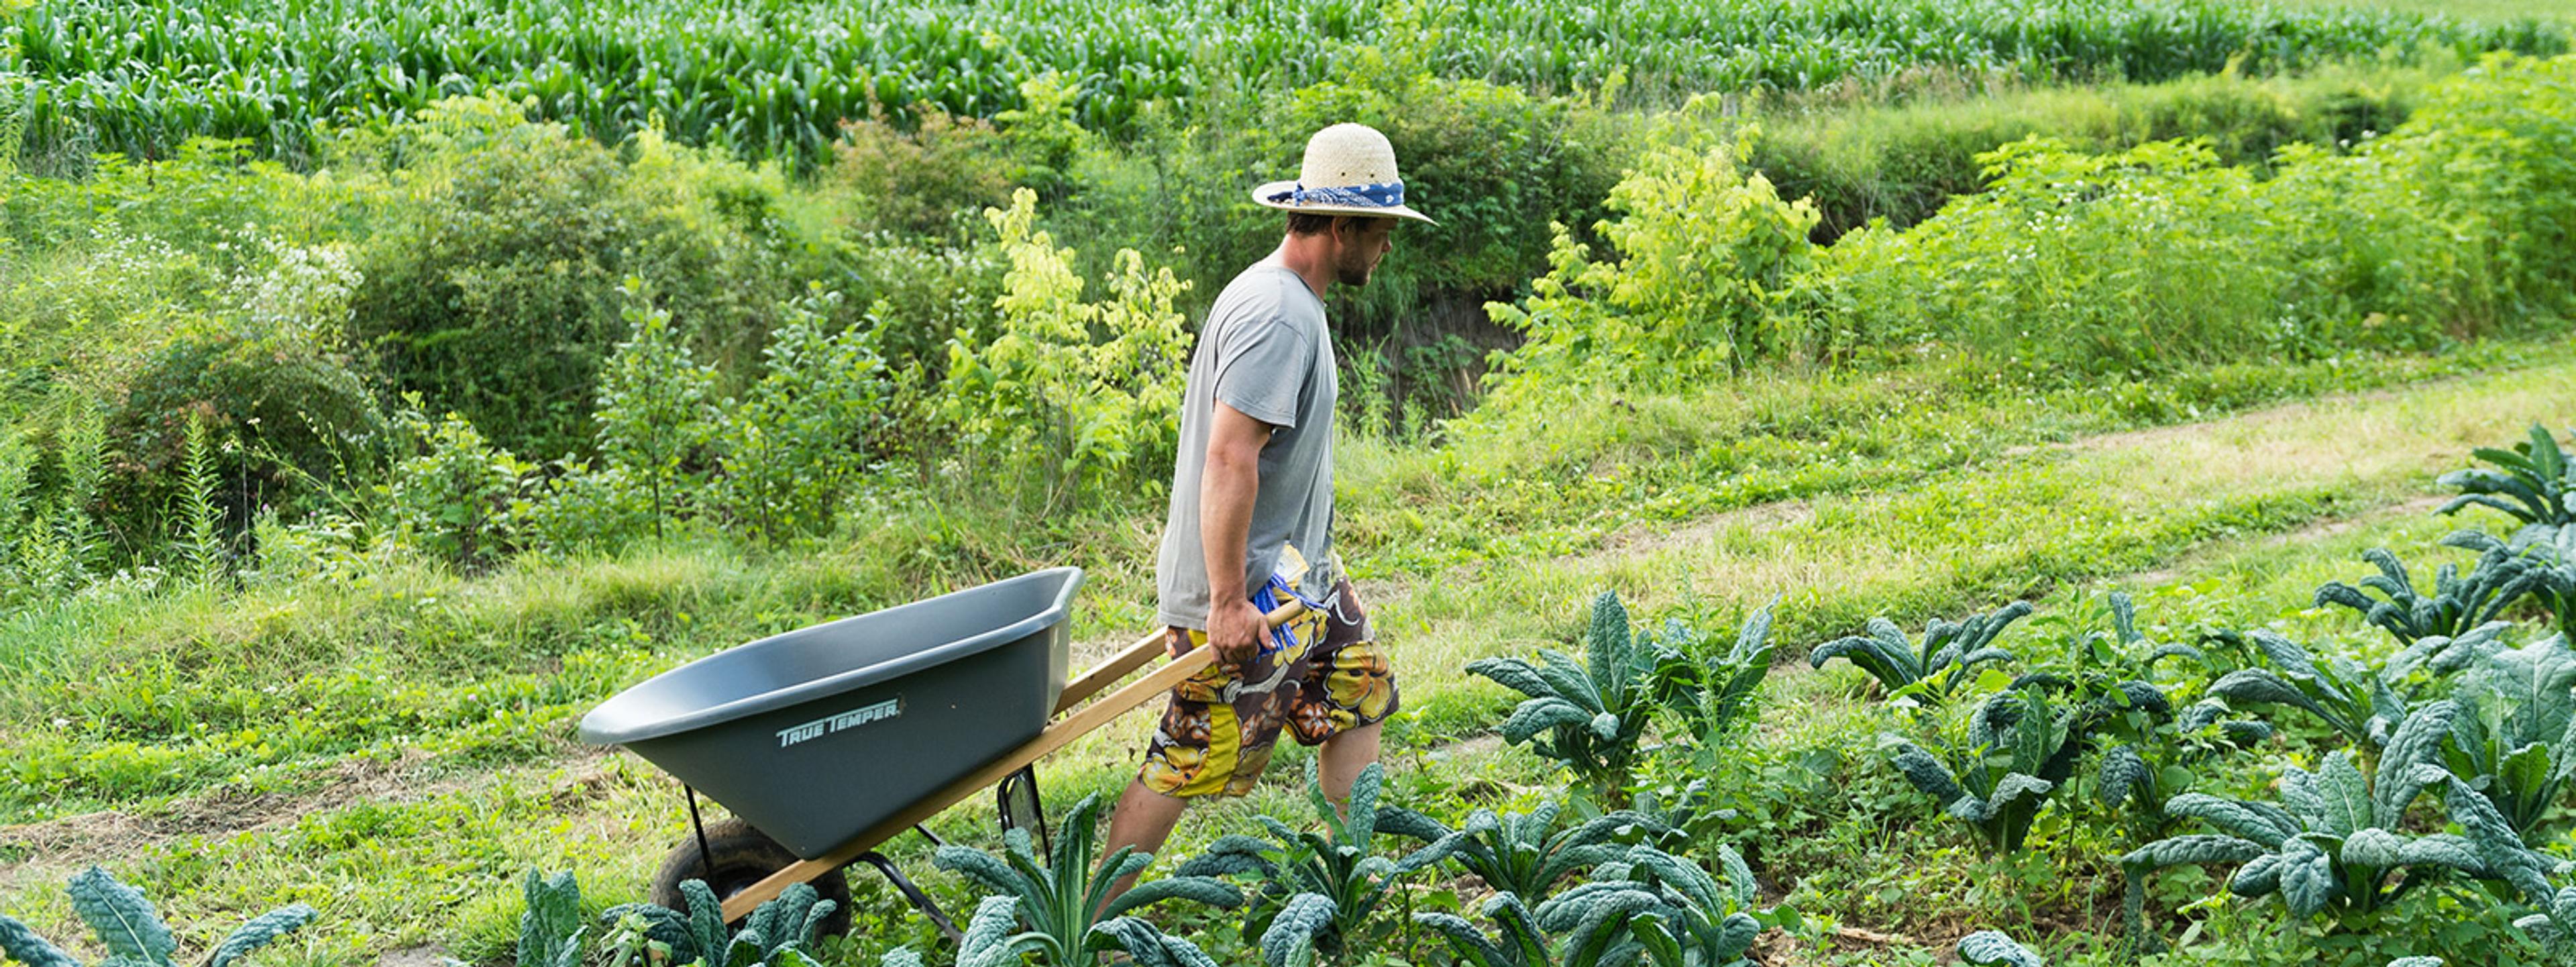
(1363, 241)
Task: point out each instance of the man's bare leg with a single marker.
(1342, 759)
(1144, 819)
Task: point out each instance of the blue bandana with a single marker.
(1384, 195)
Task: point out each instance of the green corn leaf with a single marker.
(261, 931)
(124, 921)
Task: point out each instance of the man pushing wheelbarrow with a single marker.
(828, 741)
(1250, 525)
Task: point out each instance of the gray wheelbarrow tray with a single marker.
(835, 738)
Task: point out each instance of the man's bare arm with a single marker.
(1228, 483)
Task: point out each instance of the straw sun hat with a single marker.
(1349, 170)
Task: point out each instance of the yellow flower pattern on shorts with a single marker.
(1224, 722)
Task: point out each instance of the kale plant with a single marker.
(1644, 906)
(1711, 695)
(2148, 751)
(1065, 903)
(2457, 605)
(1524, 853)
(2334, 841)
(2020, 747)
(2546, 553)
(1318, 891)
(1516, 942)
(1594, 712)
(1933, 671)
(1654, 907)
(2532, 482)
(2555, 927)
(2514, 739)
(787, 923)
(2348, 698)
(133, 932)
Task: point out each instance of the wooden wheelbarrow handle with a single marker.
(1056, 736)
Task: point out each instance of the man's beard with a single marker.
(1353, 271)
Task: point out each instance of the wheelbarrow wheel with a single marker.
(741, 856)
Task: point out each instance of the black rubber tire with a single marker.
(743, 856)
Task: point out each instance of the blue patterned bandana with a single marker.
(1383, 195)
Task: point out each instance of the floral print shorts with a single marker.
(1224, 721)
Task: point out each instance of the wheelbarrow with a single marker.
(828, 741)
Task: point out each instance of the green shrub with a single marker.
(802, 434)
(454, 499)
(1064, 399)
(1903, 162)
(657, 412)
(303, 416)
(1707, 278)
(494, 271)
(919, 181)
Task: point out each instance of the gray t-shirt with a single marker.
(1264, 351)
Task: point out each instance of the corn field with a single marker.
(772, 78)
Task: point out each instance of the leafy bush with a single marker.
(802, 434)
(455, 499)
(1708, 278)
(1904, 161)
(1065, 902)
(1933, 671)
(133, 933)
(657, 411)
(917, 181)
(1318, 891)
(493, 276)
(1075, 399)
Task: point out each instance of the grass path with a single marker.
(415, 851)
